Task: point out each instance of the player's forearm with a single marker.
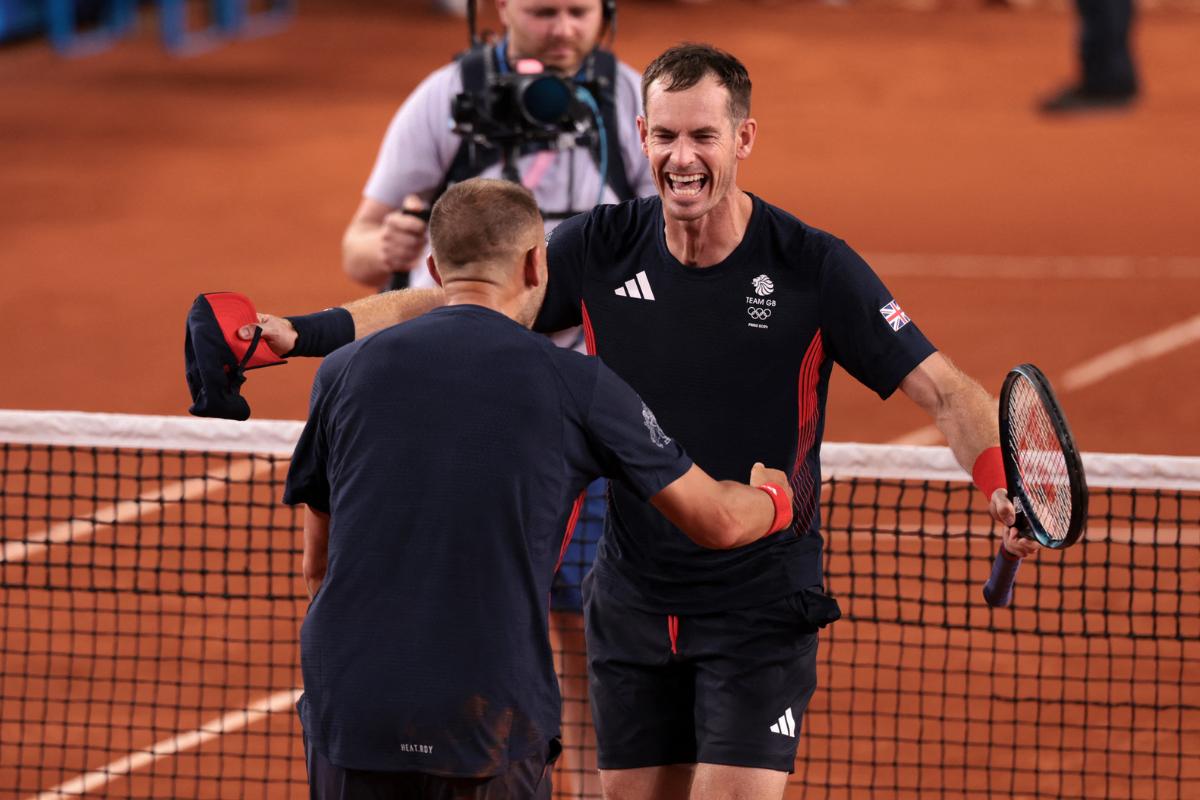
(379, 311)
(320, 333)
(716, 514)
(967, 417)
(962, 410)
(748, 514)
(362, 255)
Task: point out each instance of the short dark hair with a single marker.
(684, 65)
(481, 221)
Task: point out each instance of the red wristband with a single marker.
(988, 472)
(783, 506)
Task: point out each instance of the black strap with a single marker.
(603, 66)
(250, 349)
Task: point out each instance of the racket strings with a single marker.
(1040, 460)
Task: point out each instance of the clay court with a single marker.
(132, 181)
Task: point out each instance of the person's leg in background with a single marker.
(1104, 46)
(1108, 78)
(575, 775)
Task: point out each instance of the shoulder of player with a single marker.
(333, 368)
(575, 372)
(619, 220)
(805, 243)
(610, 224)
(380, 344)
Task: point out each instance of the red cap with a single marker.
(232, 311)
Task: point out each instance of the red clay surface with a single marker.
(132, 181)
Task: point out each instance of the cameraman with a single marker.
(420, 155)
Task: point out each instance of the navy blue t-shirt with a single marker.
(735, 361)
(449, 452)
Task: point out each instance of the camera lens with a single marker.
(545, 99)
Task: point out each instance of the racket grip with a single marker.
(998, 589)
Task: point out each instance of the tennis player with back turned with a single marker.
(416, 683)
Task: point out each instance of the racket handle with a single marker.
(998, 590)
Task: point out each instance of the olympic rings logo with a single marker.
(758, 313)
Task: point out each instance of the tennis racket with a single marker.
(1043, 470)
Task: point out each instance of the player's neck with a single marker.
(486, 295)
(710, 239)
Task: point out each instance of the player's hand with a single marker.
(1002, 511)
(402, 236)
(760, 475)
(277, 332)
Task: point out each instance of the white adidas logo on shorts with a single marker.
(786, 724)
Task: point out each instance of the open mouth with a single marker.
(686, 185)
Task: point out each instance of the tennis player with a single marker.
(727, 314)
(430, 547)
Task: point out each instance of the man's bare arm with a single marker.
(722, 514)
(967, 415)
(381, 240)
(370, 314)
(961, 409)
(379, 311)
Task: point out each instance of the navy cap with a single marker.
(216, 359)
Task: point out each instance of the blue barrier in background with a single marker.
(115, 19)
(84, 27)
(20, 18)
(226, 19)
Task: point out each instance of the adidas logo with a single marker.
(786, 724)
(636, 287)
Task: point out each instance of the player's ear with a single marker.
(747, 129)
(533, 266)
(643, 130)
(433, 270)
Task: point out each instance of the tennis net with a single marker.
(150, 603)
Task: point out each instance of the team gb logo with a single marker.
(656, 433)
(763, 286)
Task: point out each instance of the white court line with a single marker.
(1097, 369)
(129, 510)
(1119, 358)
(232, 721)
(991, 267)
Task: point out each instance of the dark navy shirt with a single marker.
(449, 452)
(735, 361)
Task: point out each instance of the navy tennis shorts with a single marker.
(566, 592)
(727, 688)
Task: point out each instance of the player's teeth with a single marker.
(686, 184)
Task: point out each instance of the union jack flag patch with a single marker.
(894, 315)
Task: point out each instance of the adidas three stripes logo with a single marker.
(637, 287)
(786, 724)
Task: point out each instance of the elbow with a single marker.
(358, 266)
(350, 264)
(727, 531)
(314, 570)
